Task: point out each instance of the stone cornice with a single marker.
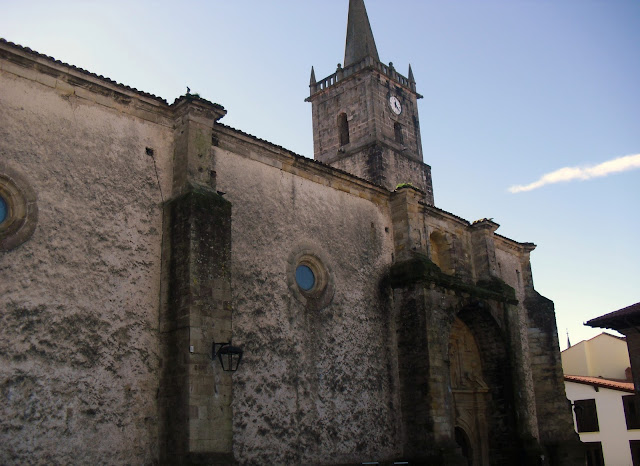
(443, 214)
(69, 80)
(354, 148)
(318, 172)
(508, 243)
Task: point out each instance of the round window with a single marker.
(3, 209)
(305, 278)
(18, 209)
(309, 277)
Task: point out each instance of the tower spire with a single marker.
(312, 81)
(360, 42)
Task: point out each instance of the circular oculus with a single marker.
(305, 278)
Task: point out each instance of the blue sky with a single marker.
(513, 90)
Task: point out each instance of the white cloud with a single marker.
(621, 164)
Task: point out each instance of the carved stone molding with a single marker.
(22, 208)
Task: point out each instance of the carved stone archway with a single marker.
(470, 394)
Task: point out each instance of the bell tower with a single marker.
(365, 115)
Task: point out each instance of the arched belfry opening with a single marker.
(343, 129)
(397, 129)
(482, 386)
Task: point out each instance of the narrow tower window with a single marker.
(397, 127)
(343, 129)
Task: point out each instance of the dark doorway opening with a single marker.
(462, 439)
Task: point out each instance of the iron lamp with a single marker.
(229, 356)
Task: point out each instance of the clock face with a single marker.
(395, 105)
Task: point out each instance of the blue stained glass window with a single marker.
(4, 210)
(305, 277)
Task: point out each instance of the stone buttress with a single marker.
(195, 394)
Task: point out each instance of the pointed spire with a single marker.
(360, 42)
(412, 80)
(568, 341)
(313, 86)
(312, 82)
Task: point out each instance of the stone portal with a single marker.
(469, 395)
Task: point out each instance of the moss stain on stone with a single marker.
(420, 269)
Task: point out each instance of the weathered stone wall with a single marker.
(469, 255)
(509, 269)
(79, 299)
(381, 165)
(195, 393)
(554, 414)
(346, 98)
(449, 244)
(357, 370)
(425, 304)
(317, 383)
(537, 351)
(374, 151)
(382, 89)
(510, 261)
(364, 97)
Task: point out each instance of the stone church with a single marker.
(176, 291)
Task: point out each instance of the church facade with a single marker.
(144, 244)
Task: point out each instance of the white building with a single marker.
(606, 410)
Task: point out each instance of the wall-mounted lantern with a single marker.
(229, 356)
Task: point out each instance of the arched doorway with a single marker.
(470, 394)
(490, 370)
(462, 439)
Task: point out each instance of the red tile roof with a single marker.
(600, 382)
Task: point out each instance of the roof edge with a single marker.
(601, 383)
(8, 45)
